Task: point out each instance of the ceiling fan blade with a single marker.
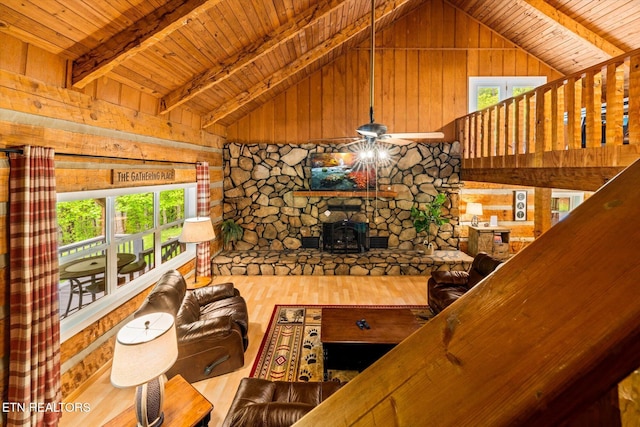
(417, 135)
(355, 141)
(338, 140)
(396, 141)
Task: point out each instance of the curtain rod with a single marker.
(20, 151)
(11, 150)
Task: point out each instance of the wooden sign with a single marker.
(142, 176)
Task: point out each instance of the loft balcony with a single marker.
(576, 132)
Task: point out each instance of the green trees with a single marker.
(81, 220)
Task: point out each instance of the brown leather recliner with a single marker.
(211, 325)
(444, 287)
(266, 403)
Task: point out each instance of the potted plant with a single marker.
(231, 233)
(430, 214)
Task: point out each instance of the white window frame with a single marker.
(71, 325)
(505, 85)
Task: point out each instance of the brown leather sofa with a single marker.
(211, 325)
(444, 287)
(266, 403)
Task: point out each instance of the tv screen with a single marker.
(340, 171)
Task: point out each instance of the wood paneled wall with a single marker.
(497, 199)
(422, 67)
(117, 127)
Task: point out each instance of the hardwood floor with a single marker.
(262, 293)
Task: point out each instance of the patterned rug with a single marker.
(291, 349)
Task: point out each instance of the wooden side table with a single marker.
(492, 240)
(184, 406)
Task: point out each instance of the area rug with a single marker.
(291, 349)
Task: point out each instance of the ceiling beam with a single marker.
(140, 36)
(575, 27)
(257, 50)
(341, 37)
(574, 178)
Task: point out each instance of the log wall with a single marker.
(116, 127)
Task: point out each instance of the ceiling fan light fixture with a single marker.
(372, 130)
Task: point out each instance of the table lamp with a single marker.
(197, 230)
(474, 209)
(145, 349)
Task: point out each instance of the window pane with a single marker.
(134, 213)
(487, 96)
(519, 90)
(82, 282)
(80, 225)
(171, 247)
(171, 206)
(141, 248)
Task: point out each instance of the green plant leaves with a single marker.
(430, 213)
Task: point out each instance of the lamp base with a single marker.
(474, 221)
(149, 400)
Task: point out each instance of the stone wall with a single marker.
(260, 180)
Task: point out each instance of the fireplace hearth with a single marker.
(345, 236)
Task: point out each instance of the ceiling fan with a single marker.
(372, 131)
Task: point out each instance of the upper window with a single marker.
(114, 243)
(487, 91)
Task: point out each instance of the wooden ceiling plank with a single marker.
(138, 37)
(259, 49)
(575, 27)
(32, 30)
(299, 64)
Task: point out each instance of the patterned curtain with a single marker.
(34, 349)
(203, 208)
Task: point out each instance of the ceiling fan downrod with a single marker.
(372, 130)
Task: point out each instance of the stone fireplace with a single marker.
(345, 236)
(261, 182)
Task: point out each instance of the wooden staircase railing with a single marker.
(588, 119)
(536, 343)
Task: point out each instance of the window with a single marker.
(487, 91)
(563, 202)
(115, 243)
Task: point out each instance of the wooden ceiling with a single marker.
(224, 58)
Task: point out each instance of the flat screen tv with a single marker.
(340, 171)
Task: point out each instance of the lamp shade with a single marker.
(474, 208)
(197, 230)
(145, 348)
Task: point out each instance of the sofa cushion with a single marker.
(445, 287)
(166, 296)
(483, 265)
(189, 311)
(450, 277)
(266, 403)
(210, 344)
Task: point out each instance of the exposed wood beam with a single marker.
(300, 63)
(138, 37)
(575, 27)
(572, 178)
(259, 49)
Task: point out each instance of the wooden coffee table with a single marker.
(348, 347)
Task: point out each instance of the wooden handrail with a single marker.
(552, 330)
(542, 128)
